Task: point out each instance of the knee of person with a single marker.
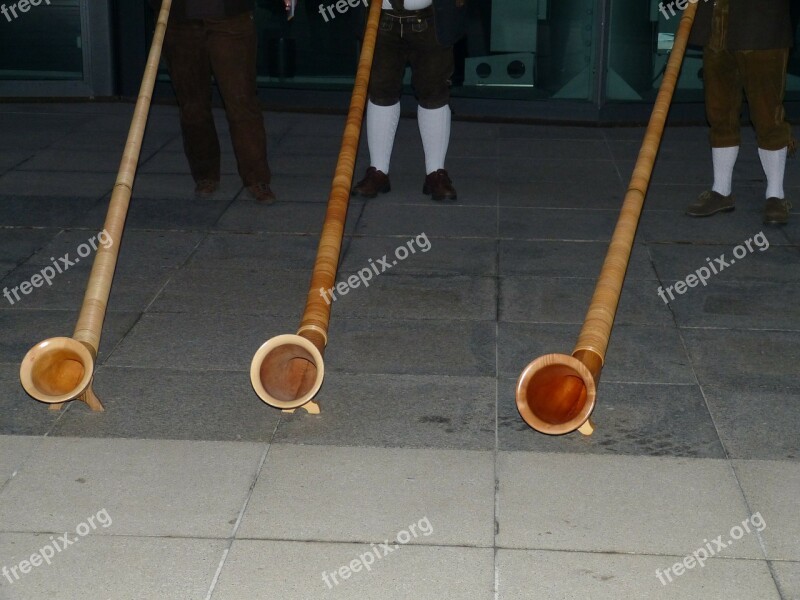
(434, 101)
(384, 100)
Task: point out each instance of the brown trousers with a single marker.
(761, 75)
(226, 48)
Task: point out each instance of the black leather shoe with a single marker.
(709, 203)
(776, 212)
(375, 182)
(438, 186)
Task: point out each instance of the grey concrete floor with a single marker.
(188, 486)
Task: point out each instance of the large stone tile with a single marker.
(308, 187)
(434, 220)
(171, 404)
(378, 492)
(60, 160)
(629, 418)
(160, 186)
(19, 244)
(672, 196)
(242, 291)
(772, 489)
(137, 248)
(436, 298)
(571, 193)
(49, 183)
(623, 504)
(267, 252)
(744, 414)
(734, 358)
(148, 487)
(552, 300)
(537, 574)
(740, 305)
(787, 575)
(465, 348)
(419, 572)
(477, 257)
(167, 213)
(676, 261)
(15, 450)
(48, 211)
(102, 567)
(133, 290)
(245, 215)
(398, 411)
(567, 259)
(554, 149)
(548, 132)
(23, 129)
(665, 360)
(21, 414)
(26, 328)
(200, 342)
(553, 169)
(557, 224)
(727, 229)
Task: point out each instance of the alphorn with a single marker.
(556, 393)
(60, 369)
(287, 370)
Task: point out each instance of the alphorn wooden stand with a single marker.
(287, 370)
(61, 369)
(556, 393)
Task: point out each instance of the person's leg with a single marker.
(383, 107)
(432, 67)
(186, 56)
(232, 47)
(765, 85)
(723, 96)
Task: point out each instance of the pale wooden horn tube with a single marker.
(556, 393)
(61, 369)
(287, 370)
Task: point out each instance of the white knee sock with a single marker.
(774, 163)
(381, 127)
(724, 160)
(434, 127)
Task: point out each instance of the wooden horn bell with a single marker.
(556, 393)
(60, 369)
(287, 370)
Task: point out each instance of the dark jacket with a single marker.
(752, 24)
(186, 9)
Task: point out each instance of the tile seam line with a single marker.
(232, 537)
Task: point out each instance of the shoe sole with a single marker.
(383, 190)
(776, 221)
(708, 214)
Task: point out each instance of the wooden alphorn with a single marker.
(287, 370)
(556, 393)
(60, 369)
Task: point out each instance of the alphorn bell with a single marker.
(556, 393)
(61, 368)
(287, 370)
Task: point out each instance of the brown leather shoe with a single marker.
(710, 203)
(262, 193)
(206, 187)
(375, 182)
(776, 212)
(438, 186)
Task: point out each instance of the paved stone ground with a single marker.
(199, 490)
